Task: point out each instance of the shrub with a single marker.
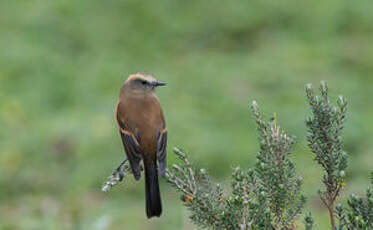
(268, 196)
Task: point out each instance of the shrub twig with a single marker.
(325, 126)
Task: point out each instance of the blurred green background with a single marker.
(63, 62)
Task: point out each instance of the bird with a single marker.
(143, 131)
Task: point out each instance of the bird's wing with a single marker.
(162, 151)
(131, 143)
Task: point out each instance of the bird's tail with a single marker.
(153, 197)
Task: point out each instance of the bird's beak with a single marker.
(159, 83)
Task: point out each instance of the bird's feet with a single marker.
(119, 170)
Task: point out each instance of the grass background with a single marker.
(62, 64)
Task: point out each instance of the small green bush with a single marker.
(268, 196)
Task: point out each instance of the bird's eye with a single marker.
(143, 82)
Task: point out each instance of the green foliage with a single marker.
(325, 141)
(275, 172)
(324, 138)
(266, 197)
(203, 198)
(309, 222)
(358, 215)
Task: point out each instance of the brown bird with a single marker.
(144, 135)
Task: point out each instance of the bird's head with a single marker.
(142, 82)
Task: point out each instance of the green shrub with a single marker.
(268, 196)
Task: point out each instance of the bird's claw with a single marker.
(121, 175)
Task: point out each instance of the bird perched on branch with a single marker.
(144, 134)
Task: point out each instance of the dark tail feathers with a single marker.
(153, 197)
